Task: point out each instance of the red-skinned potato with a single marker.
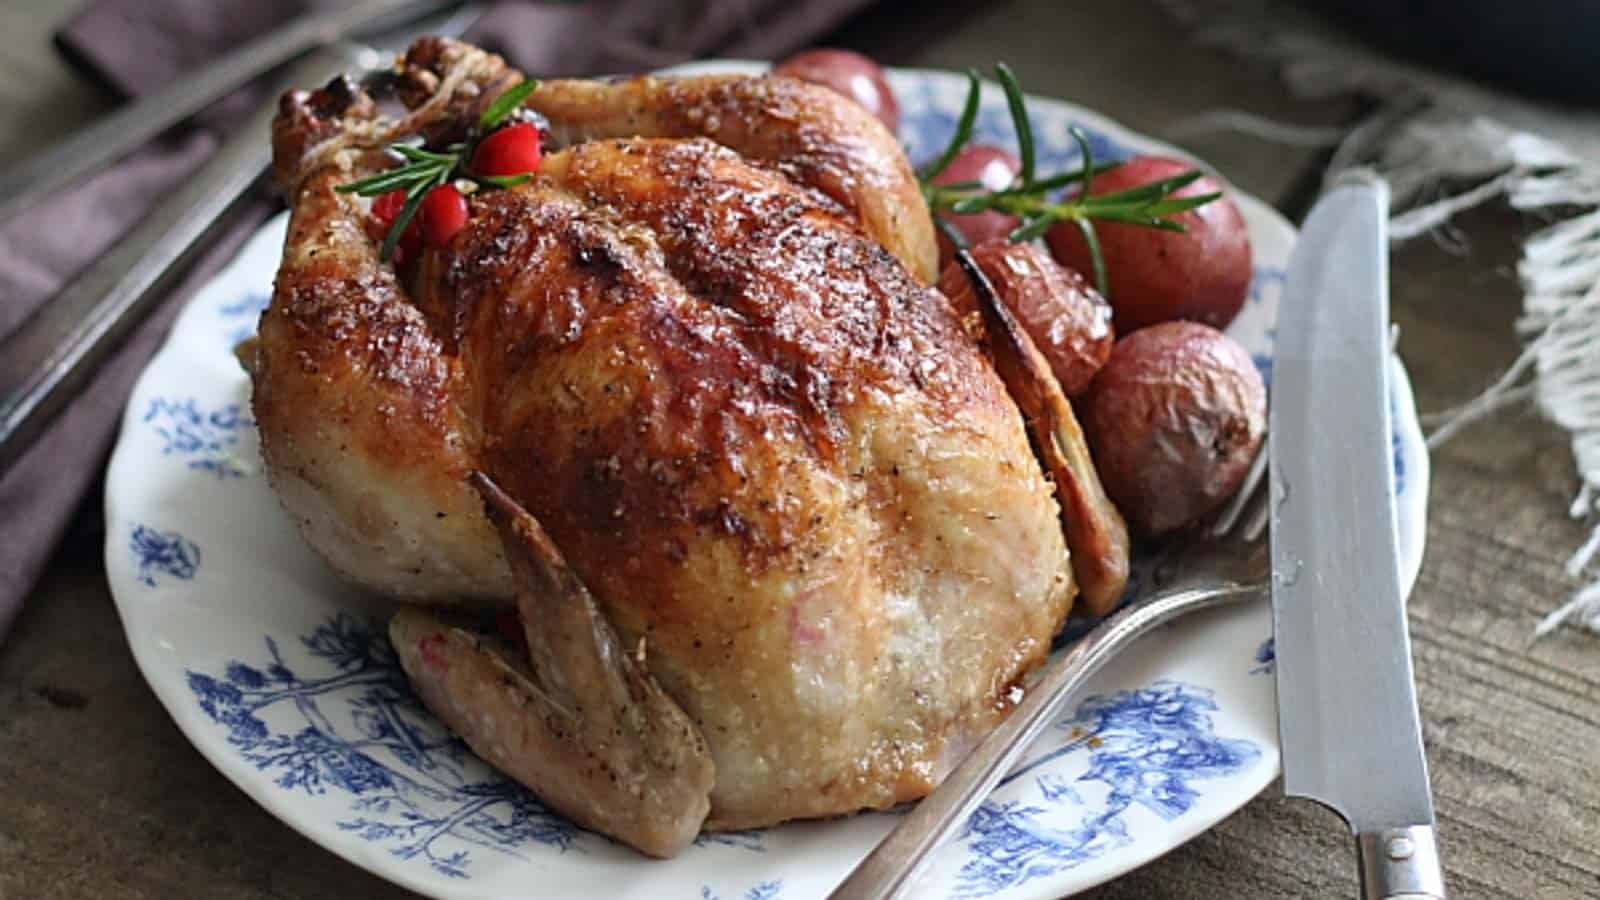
(1058, 308)
(993, 167)
(848, 73)
(1173, 419)
(1157, 276)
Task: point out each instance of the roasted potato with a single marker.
(849, 73)
(1173, 419)
(1202, 274)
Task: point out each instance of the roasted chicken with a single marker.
(769, 516)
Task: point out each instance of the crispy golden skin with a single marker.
(838, 149)
(764, 446)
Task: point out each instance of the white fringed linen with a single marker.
(1446, 145)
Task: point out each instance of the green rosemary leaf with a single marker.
(381, 183)
(1086, 166)
(1095, 257)
(414, 196)
(1019, 120)
(1032, 229)
(1056, 182)
(1147, 205)
(1154, 190)
(1095, 208)
(963, 132)
(966, 206)
(503, 181)
(940, 196)
(1173, 205)
(506, 103)
(1136, 217)
(1168, 225)
(385, 181)
(419, 155)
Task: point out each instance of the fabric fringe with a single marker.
(1447, 145)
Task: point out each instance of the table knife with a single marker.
(1347, 707)
(52, 353)
(87, 151)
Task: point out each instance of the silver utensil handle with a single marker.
(51, 354)
(108, 139)
(1400, 864)
(890, 870)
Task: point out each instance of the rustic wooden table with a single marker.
(103, 797)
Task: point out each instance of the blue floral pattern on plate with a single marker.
(1266, 658)
(163, 553)
(766, 890)
(1147, 747)
(242, 315)
(205, 438)
(355, 727)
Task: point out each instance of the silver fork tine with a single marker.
(1254, 519)
(1244, 499)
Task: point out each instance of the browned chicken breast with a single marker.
(782, 548)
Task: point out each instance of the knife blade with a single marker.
(115, 135)
(52, 353)
(1347, 709)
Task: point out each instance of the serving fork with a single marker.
(1225, 564)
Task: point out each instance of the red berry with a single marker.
(386, 207)
(443, 213)
(513, 150)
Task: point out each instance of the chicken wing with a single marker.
(571, 713)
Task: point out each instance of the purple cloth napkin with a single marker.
(135, 46)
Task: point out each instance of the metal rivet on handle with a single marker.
(1401, 848)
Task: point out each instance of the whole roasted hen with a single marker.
(768, 515)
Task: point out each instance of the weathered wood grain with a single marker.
(104, 797)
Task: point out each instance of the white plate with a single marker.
(280, 674)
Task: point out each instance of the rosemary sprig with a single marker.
(422, 170)
(963, 132)
(415, 192)
(506, 104)
(1019, 120)
(1028, 197)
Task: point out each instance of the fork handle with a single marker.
(890, 869)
